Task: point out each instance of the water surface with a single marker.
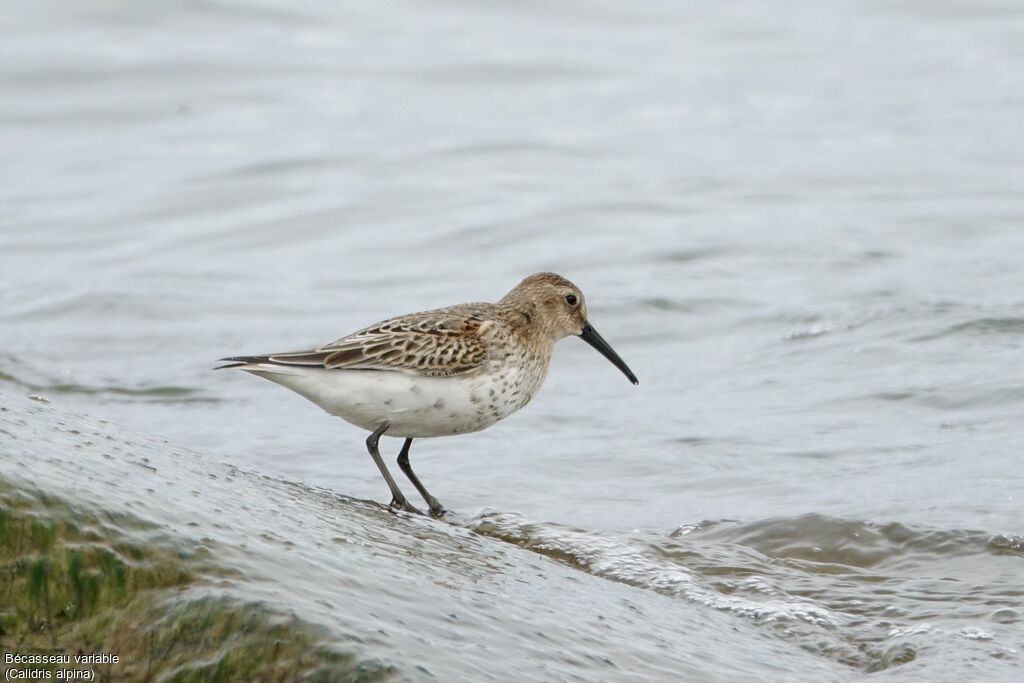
(800, 224)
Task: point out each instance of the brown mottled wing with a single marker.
(446, 341)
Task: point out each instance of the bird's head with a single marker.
(548, 306)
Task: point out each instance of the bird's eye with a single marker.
(571, 299)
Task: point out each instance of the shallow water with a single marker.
(801, 225)
(417, 598)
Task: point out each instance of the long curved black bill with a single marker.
(591, 336)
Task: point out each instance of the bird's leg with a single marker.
(436, 509)
(398, 500)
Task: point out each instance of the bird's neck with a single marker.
(524, 320)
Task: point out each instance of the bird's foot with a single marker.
(436, 509)
(403, 505)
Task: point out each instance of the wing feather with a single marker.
(447, 341)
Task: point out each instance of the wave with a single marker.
(855, 592)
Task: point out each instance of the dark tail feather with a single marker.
(238, 361)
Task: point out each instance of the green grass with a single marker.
(77, 580)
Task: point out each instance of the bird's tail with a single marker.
(239, 361)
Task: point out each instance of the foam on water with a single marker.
(860, 600)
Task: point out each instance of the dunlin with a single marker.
(448, 371)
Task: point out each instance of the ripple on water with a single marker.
(860, 593)
(41, 384)
(978, 326)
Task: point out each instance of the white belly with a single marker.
(414, 405)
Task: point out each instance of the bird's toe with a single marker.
(403, 506)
